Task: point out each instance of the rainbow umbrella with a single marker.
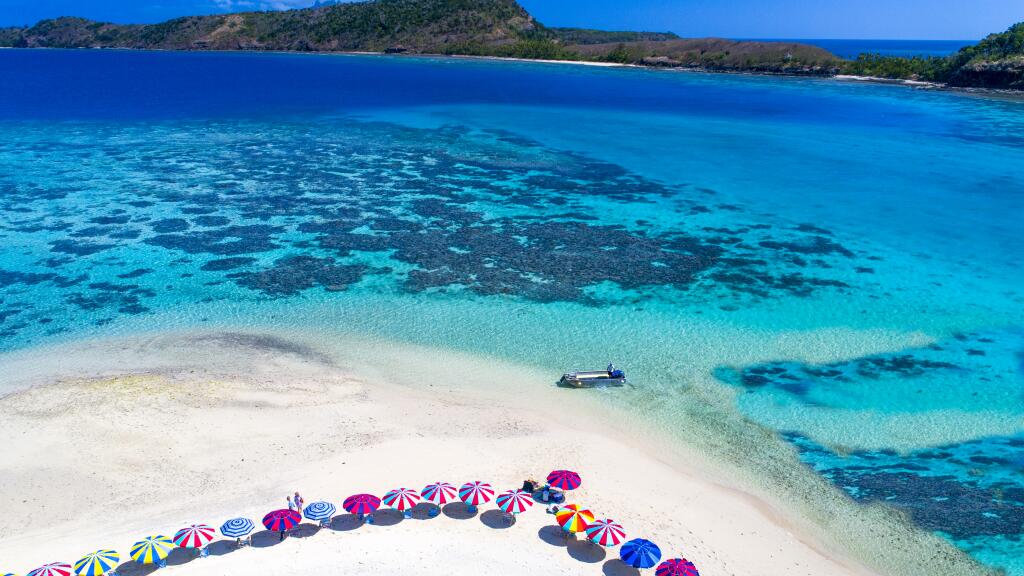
(606, 532)
(194, 536)
(475, 494)
(283, 519)
(402, 499)
(676, 567)
(514, 501)
(151, 550)
(52, 569)
(640, 553)
(564, 480)
(98, 563)
(361, 504)
(440, 493)
(237, 527)
(319, 511)
(574, 519)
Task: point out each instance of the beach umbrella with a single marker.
(676, 567)
(440, 493)
(574, 519)
(98, 563)
(152, 549)
(237, 527)
(606, 533)
(283, 519)
(194, 536)
(319, 511)
(514, 501)
(402, 499)
(52, 569)
(564, 480)
(361, 504)
(640, 553)
(476, 493)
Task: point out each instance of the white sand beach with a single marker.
(109, 441)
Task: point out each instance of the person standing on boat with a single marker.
(611, 369)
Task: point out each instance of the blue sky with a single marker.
(917, 19)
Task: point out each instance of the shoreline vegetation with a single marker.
(503, 29)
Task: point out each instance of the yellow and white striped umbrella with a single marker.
(98, 563)
(152, 549)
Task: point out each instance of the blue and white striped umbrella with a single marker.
(237, 527)
(318, 511)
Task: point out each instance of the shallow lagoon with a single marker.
(839, 263)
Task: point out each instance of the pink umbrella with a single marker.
(475, 494)
(606, 532)
(52, 569)
(402, 499)
(440, 493)
(514, 501)
(194, 536)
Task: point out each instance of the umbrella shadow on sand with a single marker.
(304, 530)
(180, 556)
(497, 520)
(458, 511)
(586, 551)
(387, 517)
(345, 522)
(222, 547)
(616, 567)
(265, 539)
(422, 511)
(132, 568)
(553, 535)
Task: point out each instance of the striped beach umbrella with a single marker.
(402, 499)
(676, 567)
(319, 511)
(361, 504)
(574, 519)
(476, 493)
(98, 563)
(564, 480)
(52, 569)
(194, 536)
(640, 553)
(606, 532)
(151, 550)
(439, 493)
(237, 527)
(283, 519)
(514, 501)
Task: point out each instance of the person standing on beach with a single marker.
(291, 505)
(299, 501)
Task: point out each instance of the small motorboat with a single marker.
(611, 376)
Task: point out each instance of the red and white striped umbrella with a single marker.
(476, 493)
(514, 501)
(440, 493)
(606, 532)
(194, 536)
(402, 499)
(52, 569)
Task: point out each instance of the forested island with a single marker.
(503, 28)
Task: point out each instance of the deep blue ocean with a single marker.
(804, 278)
(851, 48)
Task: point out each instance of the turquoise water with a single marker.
(838, 264)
